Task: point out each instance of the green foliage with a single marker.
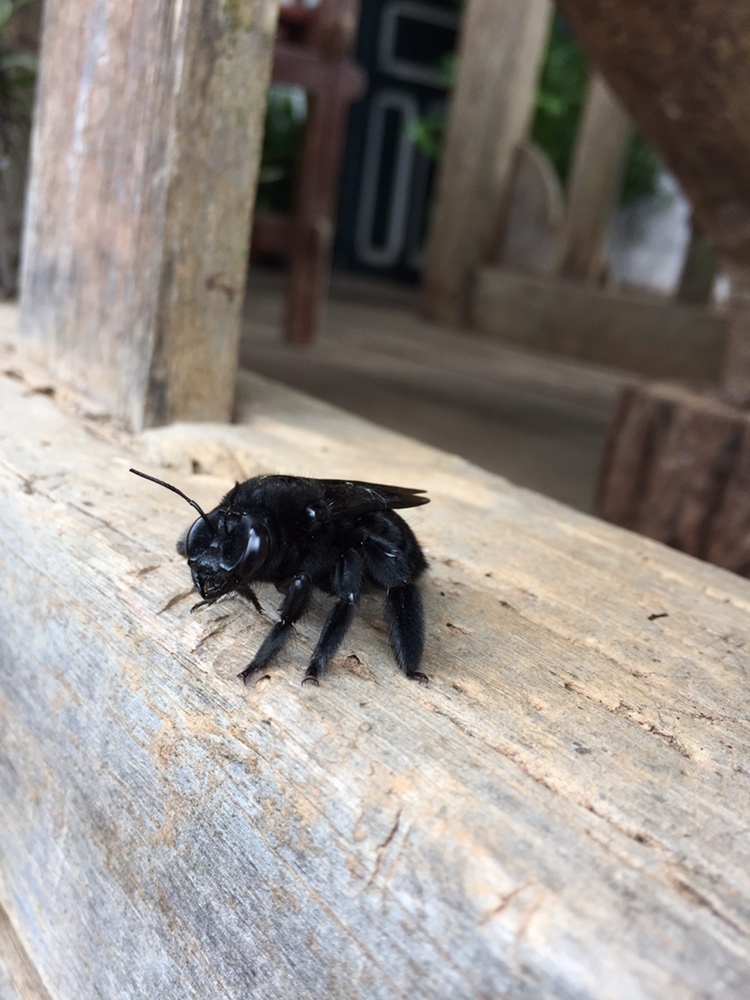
(428, 132)
(559, 102)
(18, 71)
(6, 12)
(285, 120)
(642, 170)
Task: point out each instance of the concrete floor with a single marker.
(538, 420)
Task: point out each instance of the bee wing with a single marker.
(349, 498)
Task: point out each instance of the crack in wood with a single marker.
(629, 712)
(381, 848)
(146, 570)
(182, 596)
(696, 897)
(502, 905)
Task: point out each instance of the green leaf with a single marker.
(6, 12)
(19, 60)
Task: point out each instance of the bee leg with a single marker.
(292, 609)
(337, 625)
(405, 618)
(347, 585)
(247, 591)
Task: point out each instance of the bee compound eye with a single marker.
(257, 551)
(198, 537)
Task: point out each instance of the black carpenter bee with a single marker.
(300, 534)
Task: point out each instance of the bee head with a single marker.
(223, 548)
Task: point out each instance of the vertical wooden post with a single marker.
(699, 268)
(501, 50)
(144, 162)
(737, 361)
(338, 82)
(594, 182)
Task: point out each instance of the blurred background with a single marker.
(590, 275)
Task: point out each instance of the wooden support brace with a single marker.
(641, 333)
(594, 183)
(501, 50)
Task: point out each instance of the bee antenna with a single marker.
(168, 486)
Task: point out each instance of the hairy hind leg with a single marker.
(405, 618)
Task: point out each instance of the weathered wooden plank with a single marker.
(561, 812)
(145, 154)
(502, 45)
(637, 332)
(19, 980)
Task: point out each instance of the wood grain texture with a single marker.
(501, 49)
(638, 332)
(676, 468)
(145, 154)
(561, 812)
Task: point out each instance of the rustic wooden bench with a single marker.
(562, 811)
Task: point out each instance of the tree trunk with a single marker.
(676, 468)
(682, 73)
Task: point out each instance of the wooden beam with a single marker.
(501, 49)
(564, 805)
(737, 359)
(144, 162)
(642, 333)
(698, 274)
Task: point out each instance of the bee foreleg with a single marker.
(295, 603)
(245, 590)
